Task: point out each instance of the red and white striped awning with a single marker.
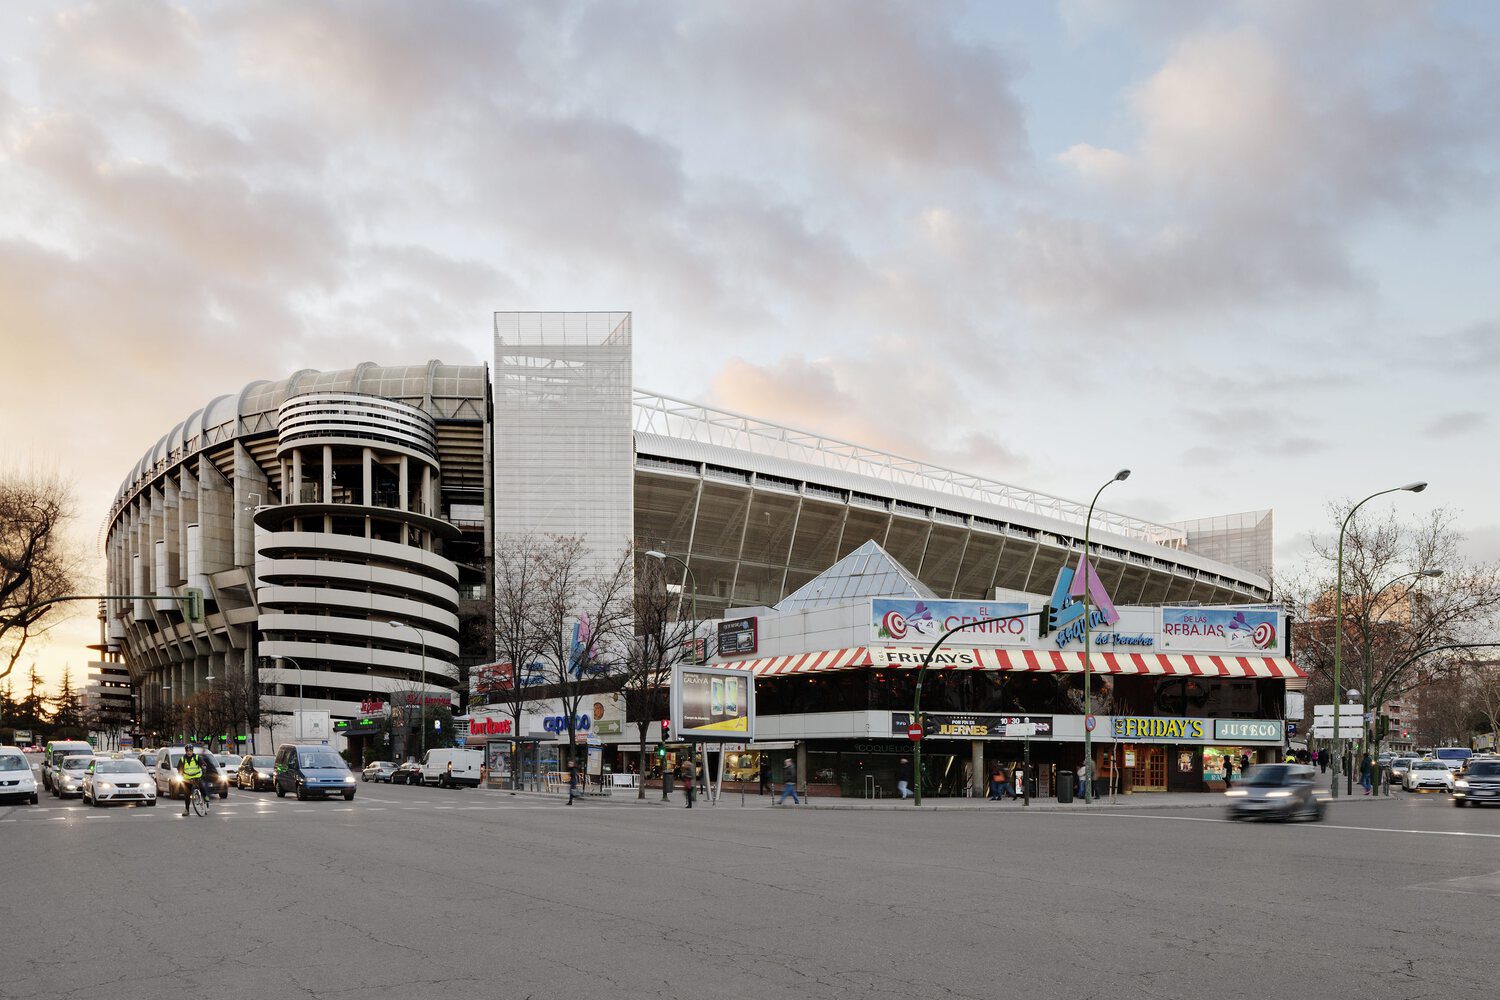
(1024, 660)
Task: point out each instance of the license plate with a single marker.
(1485, 791)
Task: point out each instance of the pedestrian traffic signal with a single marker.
(661, 751)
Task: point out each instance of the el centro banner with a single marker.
(894, 620)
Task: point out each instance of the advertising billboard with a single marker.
(1229, 630)
(712, 703)
(916, 621)
(737, 637)
(972, 726)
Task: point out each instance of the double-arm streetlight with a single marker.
(1338, 633)
(422, 710)
(1088, 672)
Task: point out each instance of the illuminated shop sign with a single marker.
(1247, 729)
(1134, 727)
(971, 726)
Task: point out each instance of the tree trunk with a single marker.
(640, 766)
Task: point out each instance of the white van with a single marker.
(452, 767)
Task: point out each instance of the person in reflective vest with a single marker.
(191, 769)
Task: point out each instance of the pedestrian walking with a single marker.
(789, 782)
(1244, 762)
(1323, 760)
(1083, 777)
(997, 783)
(689, 781)
(572, 781)
(1365, 767)
(1229, 771)
(903, 777)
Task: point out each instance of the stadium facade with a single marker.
(317, 509)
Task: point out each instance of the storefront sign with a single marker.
(1247, 729)
(1104, 621)
(559, 723)
(972, 726)
(488, 726)
(1161, 730)
(913, 656)
(738, 637)
(1244, 630)
(896, 620)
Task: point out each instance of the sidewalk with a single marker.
(1133, 802)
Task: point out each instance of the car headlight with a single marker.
(350, 779)
(1279, 794)
(1235, 793)
(1460, 783)
(104, 786)
(263, 774)
(176, 779)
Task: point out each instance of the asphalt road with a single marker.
(416, 892)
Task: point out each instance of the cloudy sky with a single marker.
(1248, 250)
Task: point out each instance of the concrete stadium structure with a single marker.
(316, 510)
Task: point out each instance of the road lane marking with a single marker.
(1314, 826)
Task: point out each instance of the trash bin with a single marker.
(1065, 781)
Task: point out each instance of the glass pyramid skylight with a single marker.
(868, 571)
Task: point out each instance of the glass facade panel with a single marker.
(945, 547)
(976, 578)
(907, 541)
(721, 522)
(863, 526)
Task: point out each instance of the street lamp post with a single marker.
(662, 557)
(916, 706)
(422, 711)
(1088, 671)
(298, 664)
(1338, 628)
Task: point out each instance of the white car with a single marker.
(67, 780)
(124, 780)
(17, 783)
(168, 781)
(1428, 774)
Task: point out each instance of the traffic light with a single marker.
(929, 724)
(192, 604)
(1044, 621)
(666, 730)
(1384, 728)
(661, 751)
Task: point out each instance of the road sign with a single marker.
(1350, 730)
(914, 731)
(1291, 729)
(1089, 722)
(1022, 729)
(1345, 711)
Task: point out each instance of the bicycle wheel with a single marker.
(200, 805)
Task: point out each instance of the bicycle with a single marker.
(197, 801)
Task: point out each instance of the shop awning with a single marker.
(1025, 660)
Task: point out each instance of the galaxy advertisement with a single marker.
(1228, 630)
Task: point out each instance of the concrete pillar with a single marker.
(327, 495)
(368, 496)
(405, 481)
(296, 476)
(429, 505)
(976, 760)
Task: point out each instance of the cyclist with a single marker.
(192, 768)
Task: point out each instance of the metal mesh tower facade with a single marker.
(563, 446)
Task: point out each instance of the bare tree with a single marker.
(519, 636)
(1396, 617)
(584, 622)
(1484, 695)
(36, 564)
(660, 640)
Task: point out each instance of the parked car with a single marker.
(256, 771)
(17, 784)
(107, 780)
(1480, 786)
(409, 773)
(1277, 791)
(67, 782)
(312, 770)
(378, 770)
(452, 767)
(1428, 773)
(53, 757)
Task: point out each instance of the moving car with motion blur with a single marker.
(17, 783)
(1428, 773)
(109, 780)
(257, 771)
(1481, 785)
(1277, 791)
(67, 782)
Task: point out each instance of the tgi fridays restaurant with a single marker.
(1176, 690)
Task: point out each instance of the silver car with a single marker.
(67, 780)
(1277, 791)
(123, 780)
